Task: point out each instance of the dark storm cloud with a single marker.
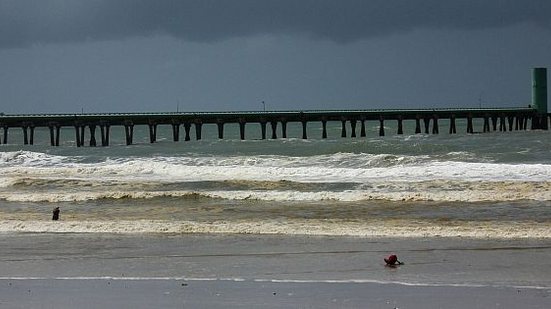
(23, 23)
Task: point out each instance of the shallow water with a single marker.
(481, 185)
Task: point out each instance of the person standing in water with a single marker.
(55, 216)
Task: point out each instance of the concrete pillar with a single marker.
(381, 126)
(187, 128)
(52, 137)
(502, 126)
(400, 125)
(343, 127)
(470, 129)
(5, 134)
(362, 128)
(426, 121)
(435, 129)
(82, 131)
(129, 130)
(263, 128)
(57, 134)
(510, 119)
(486, 127)
(25, 134)
(152, 132)
(273, 123)
(417, 124)
(323, 128)
(304, 135)
(31, 134)
(198, 129)
(175, 131)
(353, 127)
(242, 124)
(54, 134)
(220, 125)
(283, 128)
(77, 135)
(104, 130)
(452, 125)
(494, 122)
(92, 135)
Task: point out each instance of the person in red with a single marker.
(392, 260)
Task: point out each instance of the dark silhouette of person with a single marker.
(56, 214)
(392, 260)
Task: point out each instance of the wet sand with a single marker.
(154, 293)
(248, 271)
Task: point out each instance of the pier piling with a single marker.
(187, 129)
(220, 125)
(343, 127)
(129, 132)
(263, 128)
(5, 134)
(435, 124)
(152, 132)
(104, 131)
(304, 135)
(92, 128)
(54, 133)
(486, 126)
(25, 134)
(417, 124)
(273, 123)
(175, 131)
(427, 124)
(198, 129)
(77, 135)
(452, 125)
(353, 128)
(400, 125)
(284, 128)
(470, 129)
(242, 124)
(381, 126)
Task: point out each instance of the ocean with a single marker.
(490, 185)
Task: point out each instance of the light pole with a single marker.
(264, 105)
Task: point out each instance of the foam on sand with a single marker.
(389, 228)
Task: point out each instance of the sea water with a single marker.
(494, 184)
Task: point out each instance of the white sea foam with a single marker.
(331, 227)
(325, 168)
(451, 191)
(381, 176)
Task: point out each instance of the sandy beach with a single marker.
(249, 271)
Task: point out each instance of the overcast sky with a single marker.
(65, 56)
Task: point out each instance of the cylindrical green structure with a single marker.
(539, 90)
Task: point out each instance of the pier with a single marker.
(426, 121)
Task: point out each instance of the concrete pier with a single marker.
(492, 119)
